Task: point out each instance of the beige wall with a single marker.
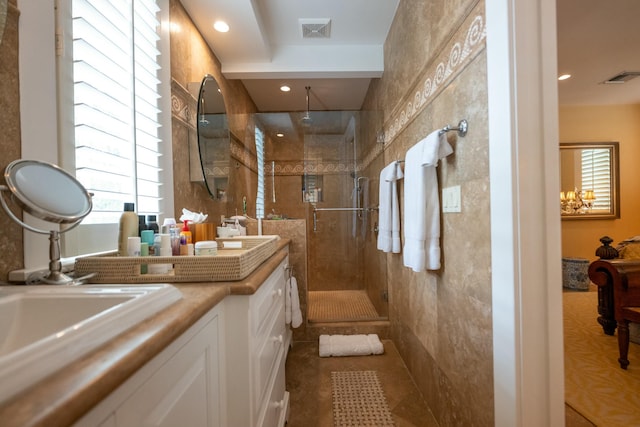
(620, 123)
(435, 74)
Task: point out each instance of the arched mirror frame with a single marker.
(214, 138)
(566, 150)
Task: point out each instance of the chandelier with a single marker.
(576, 201)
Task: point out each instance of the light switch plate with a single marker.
(451, 199)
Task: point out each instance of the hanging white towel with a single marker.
(292, 313)
(388, 209)
(421, 202)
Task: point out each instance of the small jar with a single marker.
(206, 248)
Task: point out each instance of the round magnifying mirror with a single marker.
(47, 192)
(51, 194)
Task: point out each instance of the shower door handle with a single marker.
(315, 220)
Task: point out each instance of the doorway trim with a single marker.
(525, 233)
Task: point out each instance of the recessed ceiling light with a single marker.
(564, 77)
(285, 88)
(279, 134)
(221, 26)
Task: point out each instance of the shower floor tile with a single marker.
(340, 306)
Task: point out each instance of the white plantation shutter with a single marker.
(116, 108)
(260, 157)
(596, 176)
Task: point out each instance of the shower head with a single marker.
(306, 119)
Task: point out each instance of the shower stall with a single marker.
(324, 168)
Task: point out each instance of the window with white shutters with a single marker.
(110, 78)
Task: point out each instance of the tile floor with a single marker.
(309, 384)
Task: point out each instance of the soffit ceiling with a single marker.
(265, 48)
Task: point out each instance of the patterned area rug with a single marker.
(595, 385)
(340, 306)
(358, 400)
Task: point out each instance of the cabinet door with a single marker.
(184, 391)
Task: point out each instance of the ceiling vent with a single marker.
(315, 28)
(622, 77)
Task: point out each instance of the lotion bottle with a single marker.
(128, 228)
(186, 232)
(185, 238)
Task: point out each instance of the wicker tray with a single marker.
(227, 265)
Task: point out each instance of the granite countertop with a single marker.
(64, 397)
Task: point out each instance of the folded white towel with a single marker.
(388, 209)
(350, 345)
(292, 312)
(422, 204)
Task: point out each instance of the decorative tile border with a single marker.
(457, 54)
(310, 168)
(183, 105)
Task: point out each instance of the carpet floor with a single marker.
(595, 385)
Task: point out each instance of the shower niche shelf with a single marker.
(312, 188)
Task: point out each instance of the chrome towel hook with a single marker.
(462, 128)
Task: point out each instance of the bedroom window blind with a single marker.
(596, 175)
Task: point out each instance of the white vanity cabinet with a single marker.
(256, 346)
(183, 385)
(228, 369)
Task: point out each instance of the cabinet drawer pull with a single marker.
(276, 293)
(279, 405)
(278, 340)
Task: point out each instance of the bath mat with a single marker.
(340, 306)
(358, 400)
(350, 345)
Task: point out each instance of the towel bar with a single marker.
(315, 210)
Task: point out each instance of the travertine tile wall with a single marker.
(11, 241)
(435, 74)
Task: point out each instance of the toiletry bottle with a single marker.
(152, 223)
(144, 251)
(174, 233)
(185, 238)
(142, 225)
(185, 232)
(128, 228)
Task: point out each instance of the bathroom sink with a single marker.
(44, 328)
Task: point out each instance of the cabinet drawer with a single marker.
(278, 404)
(268, 301)
(271, 350)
